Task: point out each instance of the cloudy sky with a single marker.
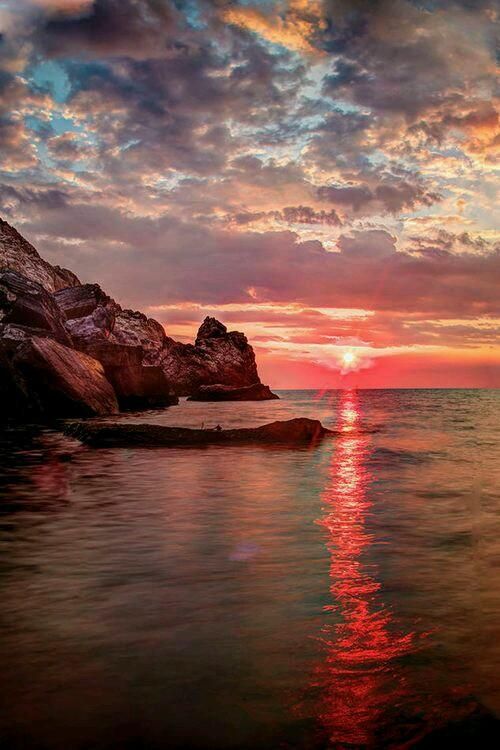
(318, 173)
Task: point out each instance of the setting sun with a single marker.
(348, 358)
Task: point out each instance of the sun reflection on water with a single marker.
(358, 679)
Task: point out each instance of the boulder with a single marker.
(122, 340)
(289, 433)
(27, 309)
(136, 329)
(92, 329)
(81, 301)
(90, 313)
(43, 378)
(255, 392)
(137, 386)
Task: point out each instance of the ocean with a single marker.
(344, 595)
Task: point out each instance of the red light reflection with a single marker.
(358, 679)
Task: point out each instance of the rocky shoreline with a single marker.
(67, 349)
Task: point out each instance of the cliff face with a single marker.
(67, 348)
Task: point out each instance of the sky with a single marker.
(321, 174)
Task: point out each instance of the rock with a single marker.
(19, 255)
(90, 313)
(217, 357)
(211, 328)
(255, 392)
(136, 329)
(28, 309)
(38, 299)
(291, 432)
(123, 341)
(137, 386)
(42, 378)
(91, 329)
(81, 301)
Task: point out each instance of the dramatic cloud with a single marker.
(284, 158)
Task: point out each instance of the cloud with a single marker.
(325, 154)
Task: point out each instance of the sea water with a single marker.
(339, 595)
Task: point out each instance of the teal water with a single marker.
(344, 596)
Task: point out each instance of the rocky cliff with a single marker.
(68, 348)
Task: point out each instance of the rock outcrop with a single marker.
(124, 342)
(300, 431)
(19, 255)
(255, 392)
(130, 352)
(218, 357)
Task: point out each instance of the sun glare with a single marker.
(348, 358)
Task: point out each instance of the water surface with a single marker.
(343, 595)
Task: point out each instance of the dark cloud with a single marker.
(150, 261)
(391, 197)
(291, 215)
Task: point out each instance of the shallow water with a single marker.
(343, 595)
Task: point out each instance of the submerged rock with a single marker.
(43, 378)
(291, 432)
(255, 392)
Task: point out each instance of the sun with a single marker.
(348, 358)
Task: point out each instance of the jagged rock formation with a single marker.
(255, 392)
(126, 354)
(299, 431)
(217, 357)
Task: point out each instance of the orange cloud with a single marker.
(69, 7)
(291, 29)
